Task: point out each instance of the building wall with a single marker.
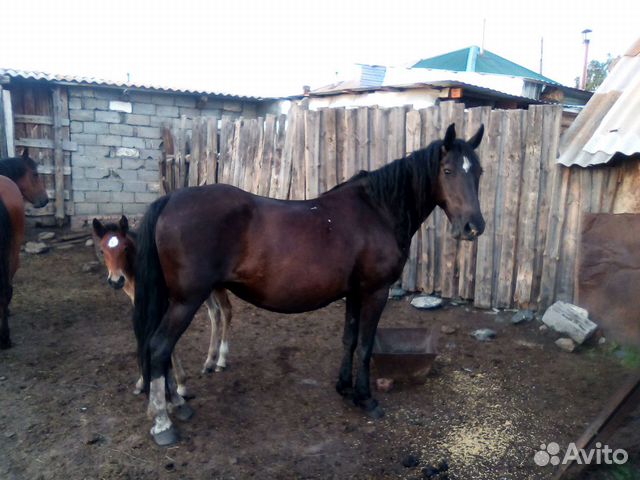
(114, 170)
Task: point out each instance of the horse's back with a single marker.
(14, 203)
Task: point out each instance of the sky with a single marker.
(270, 48)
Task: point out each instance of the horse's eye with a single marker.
(447, 171)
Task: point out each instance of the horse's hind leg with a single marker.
(213, 309)
(5, 337)
(349, 341)
(370, 310)
(161, 345)
(225, 308)
(178, 373)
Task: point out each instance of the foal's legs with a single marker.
(219, 309)
(161, 345)
(370, 310)
(349, 341)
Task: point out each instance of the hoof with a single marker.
(220, 368)
(5, 344)
(345, 390)
(207, 370)
(371, 408)
(137, 391)
(183, 412)
(167, 437)
(375, 413)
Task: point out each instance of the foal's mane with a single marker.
(404, 188)
(14, 168)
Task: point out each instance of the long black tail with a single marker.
(151, 300)
(6, 236)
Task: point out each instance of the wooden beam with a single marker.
(7, 113)
(3, 138)
(58, 154)
(47, 143)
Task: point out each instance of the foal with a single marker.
(118, 246)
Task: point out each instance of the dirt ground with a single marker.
(67, 408)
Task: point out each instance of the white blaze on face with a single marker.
(113, 242)
(466, 164)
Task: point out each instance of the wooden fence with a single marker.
(525, 258)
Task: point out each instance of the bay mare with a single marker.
(294, 256)
(19, 181)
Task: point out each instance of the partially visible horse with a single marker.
(294, 256)
(118, 246)
(19, 181)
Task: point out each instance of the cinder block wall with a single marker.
(115, 168)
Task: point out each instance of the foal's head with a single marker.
(457, 184)
(118, 250)
(24, 172)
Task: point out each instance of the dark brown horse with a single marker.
(294, 256)
(19, 181)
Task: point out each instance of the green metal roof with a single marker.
(471, 60)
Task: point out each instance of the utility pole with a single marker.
(585, 40)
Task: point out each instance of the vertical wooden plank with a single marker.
(569, 246)
(211, 153)
(194, 158)
(349, 164)
(363, 140)
(297, 185)
(236, 152)
(58, 155)
(312, 152)
(527, 215)
(429, 262)
(512, 167)
(468, 250)
(292, 126)
(341, 141)
(552, 118)
(413, 126)
(7, 115)
(278, 153)
(266, 162)
(597, 183)
(227, 134)
(254, 154)
(328, 174)
(490, 149)
(3, 138)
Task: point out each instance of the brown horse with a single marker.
(19, 181)
(294, 256)
(118, 246)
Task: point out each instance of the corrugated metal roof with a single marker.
(474, 59)
(34, 75)
(609, 123)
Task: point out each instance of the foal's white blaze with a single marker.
(466, 164)
(113, 242)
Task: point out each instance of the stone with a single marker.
(42, 236)
(410, 461)
(448, 329)
(570, 319)
(396, 293)
(384, 385)
(89, 243)
(120, 106)
(523, 316)
(426, 302)
(36, 248)
(483, 334)
(566, 344)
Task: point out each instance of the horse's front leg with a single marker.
(349, 341)
(5, 337)
(371, 308)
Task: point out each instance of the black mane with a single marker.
(14, 168)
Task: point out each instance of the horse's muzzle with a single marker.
(469, 231)
(116, 285)
(41, 201)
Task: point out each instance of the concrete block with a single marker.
(125, 175)
(109, 117)
(148, 132)
(76, 127)
(82, 184)
(163, 99)
(132, 164)
(95, 104)
(136, 187)
(144, 108)
(77, 173)
(97, 197)
(110, 185)
(82, 115)
(133, 142)
(109, 140)
(84, 208)
(120, 129)
(122, 197)
(190, 112)
(152, 143)
(151, 165)
(147, 176)
(185, 101)
(97, 128)
(110, 208)
(148, 154)
(570, 319)
(83, 138)
(136, 119)
(75, 103)
(96, 151)
(108, 93)
(76, 91)
(78, 160)
(119, 106)
(108, 162)
(78, 196)
(96, 173)
(143, 97)
(153, 187)
(168, 111)
(145, 197)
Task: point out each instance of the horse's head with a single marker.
(457, 185)
(31, 184)
(116, 248)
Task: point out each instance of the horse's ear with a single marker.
(25, 153)
(449, 137)
(124, 224)
(474, 142)
(98, 228)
